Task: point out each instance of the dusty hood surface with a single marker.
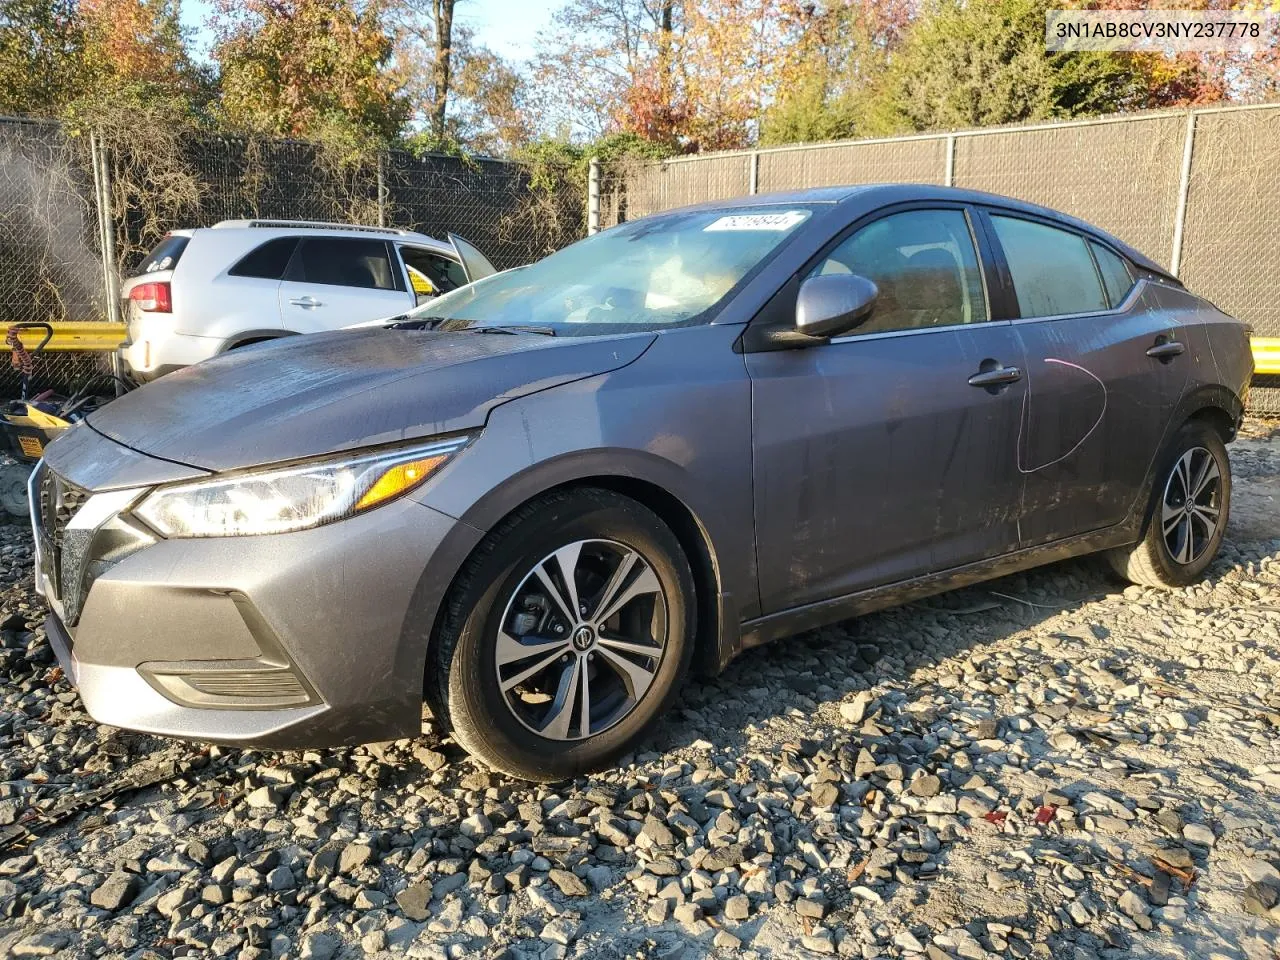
(322, 393)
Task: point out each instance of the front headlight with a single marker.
(292, 498)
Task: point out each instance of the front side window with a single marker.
(665, 271)
(925, 265)
(343, 262)
(1116, 277)
(1053, 273)
(431, 274)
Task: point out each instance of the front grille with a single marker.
(59, 501)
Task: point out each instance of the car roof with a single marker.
(269, 229)
(866, 198)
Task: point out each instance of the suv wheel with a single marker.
(1190, 506)
(566, 636)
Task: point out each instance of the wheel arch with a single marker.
(712, 605)
(246, 337)
(1216, 404)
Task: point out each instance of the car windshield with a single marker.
(661, 272)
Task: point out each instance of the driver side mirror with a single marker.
(834, 303)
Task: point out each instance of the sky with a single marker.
(507, 27)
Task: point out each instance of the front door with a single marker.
(1097, 403)
(889, 453)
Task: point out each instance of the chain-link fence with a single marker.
(67, 194)
(1198, 191)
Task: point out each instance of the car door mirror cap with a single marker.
(831, 304)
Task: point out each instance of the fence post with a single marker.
(107, 243)
(754, 179)
(1184, 189)
(593, 197)
(949, 176)
(382, 191)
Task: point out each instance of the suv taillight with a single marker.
(152, 297)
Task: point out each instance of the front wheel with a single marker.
(1190, 506)
(566, 636)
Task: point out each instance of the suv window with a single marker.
(1053, 273)
(1116, 277)
(925, 265)
(343, 262)
(165, 256)
(267, 261)
(430, 273)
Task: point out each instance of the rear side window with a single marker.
(164, 257)
(1053, 273)
(268, 261)
(344, 262)
(1116, 277)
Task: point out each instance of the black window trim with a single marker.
(880, 213)
(986, 212)
(398, 281)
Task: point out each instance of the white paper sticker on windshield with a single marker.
(757, 221)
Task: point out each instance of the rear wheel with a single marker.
(1190, 506)
(566, 636)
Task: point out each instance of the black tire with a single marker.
(13, 489)
(1151, 562)
(463, 688)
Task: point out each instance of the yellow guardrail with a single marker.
(1266, 356)
(91, 336)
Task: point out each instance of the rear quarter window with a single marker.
(267, 261)
(164, 256)
(1117, 278)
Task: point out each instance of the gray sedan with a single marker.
(540, 501)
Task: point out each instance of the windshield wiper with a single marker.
(513, 329)
(416, 323)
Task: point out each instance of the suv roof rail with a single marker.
(312, 225)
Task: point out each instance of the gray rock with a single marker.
(737, 907)
(415, 900)
(722, 858)
(116, 892)
(1200, 834)
(318, 946)
(926, 786)
(569, 883)
(354, 856)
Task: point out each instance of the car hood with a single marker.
(324, 393)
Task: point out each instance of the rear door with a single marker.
(888, 453)
(1097, 402)
(333, 282)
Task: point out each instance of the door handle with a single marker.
(306, 302)
(996, 377)
(1166, 350)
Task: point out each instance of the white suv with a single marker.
(202, 292)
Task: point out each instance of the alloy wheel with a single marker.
(581, 639)
(1192, 508)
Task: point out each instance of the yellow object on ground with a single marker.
(1266, 355)
(90, 336)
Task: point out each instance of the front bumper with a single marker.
(342, 613)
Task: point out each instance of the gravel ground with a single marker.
(1044, 766)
